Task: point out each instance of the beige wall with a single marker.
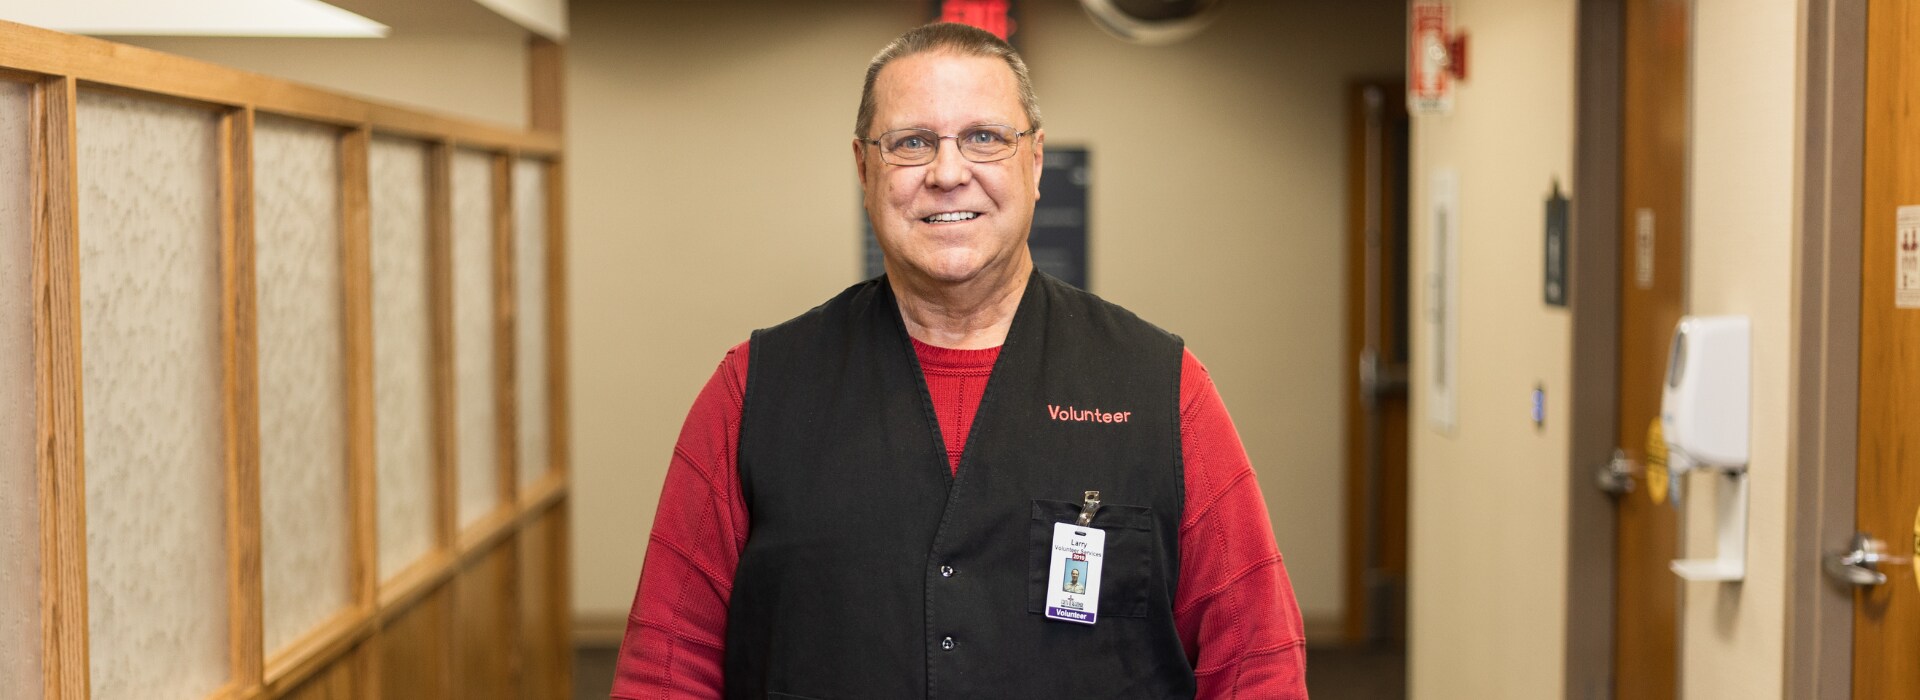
(1741, 227)
(1489, 512)
(717, 195)
(478, 76)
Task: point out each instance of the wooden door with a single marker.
(1653, 235)
(1376, 364)
(1886, 624)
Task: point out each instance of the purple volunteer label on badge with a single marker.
(1071, 615)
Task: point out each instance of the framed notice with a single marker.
(1443, 299)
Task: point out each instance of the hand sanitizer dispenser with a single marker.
(1704, 417)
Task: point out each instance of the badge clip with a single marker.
(1087, 508)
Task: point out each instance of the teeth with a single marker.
(950, 216)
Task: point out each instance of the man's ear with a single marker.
(1039, 159)
(860, 161)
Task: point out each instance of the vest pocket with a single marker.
(1126, 571)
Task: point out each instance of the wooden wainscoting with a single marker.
(484, 612)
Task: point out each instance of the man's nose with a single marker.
(949, 169)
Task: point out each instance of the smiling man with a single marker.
(963, 479)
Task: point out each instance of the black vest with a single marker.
(873, 573)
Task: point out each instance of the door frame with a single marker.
(1593, 298)
(1824, 423)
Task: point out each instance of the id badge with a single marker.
(1073, 579)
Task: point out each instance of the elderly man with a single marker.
(879, 499)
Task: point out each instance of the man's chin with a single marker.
(957, 273)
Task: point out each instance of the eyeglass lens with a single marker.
(981, 144)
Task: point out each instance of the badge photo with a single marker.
(1076, 580)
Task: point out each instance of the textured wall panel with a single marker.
(477, 427)
(402, 360)
(150, 341)
(19, 509)
(530, 288)
(304, 548)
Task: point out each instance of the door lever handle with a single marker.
(1615, 476)
(1860, 566)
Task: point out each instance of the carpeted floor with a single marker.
(1332, 673)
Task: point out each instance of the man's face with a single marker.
(952, 220)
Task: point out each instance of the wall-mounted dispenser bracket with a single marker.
(1730, 524)
(1704, 417)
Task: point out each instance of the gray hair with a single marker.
(959, 39)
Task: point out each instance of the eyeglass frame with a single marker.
(1017, 136)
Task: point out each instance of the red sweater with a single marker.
(1234, 608)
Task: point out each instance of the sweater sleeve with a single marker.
(677, 628)
(1234, 608)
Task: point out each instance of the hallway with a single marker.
(1563, 348)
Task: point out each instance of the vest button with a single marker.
(947, 644)
(946, 571)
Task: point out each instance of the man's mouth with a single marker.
(950, 217)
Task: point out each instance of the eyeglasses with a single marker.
(981, 143)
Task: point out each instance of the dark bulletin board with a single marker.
(1059, 235)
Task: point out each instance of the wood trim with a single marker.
(446, 503)
(546, 99)
(480, 537)
(440, 299)
(317, 648)
(1824, 382)
(356, 220)
(559, 412)
(506, 391)
(507, 410)
(20, 76)
(240, 340)
(1593, 282)
(407, 588)
(559, 416)
(102, 62)
(546, 85)
(356, 256)
(560, 604)
(543, 494)
(59, 444)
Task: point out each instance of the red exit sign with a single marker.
(992, 15)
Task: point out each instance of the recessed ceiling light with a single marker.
(274, 18)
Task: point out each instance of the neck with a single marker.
(970, 315)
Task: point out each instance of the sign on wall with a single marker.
(1435, 57)
(995, 16)
(1443, 299)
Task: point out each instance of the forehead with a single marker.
(942, 89)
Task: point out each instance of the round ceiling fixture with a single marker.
(1153, 21)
